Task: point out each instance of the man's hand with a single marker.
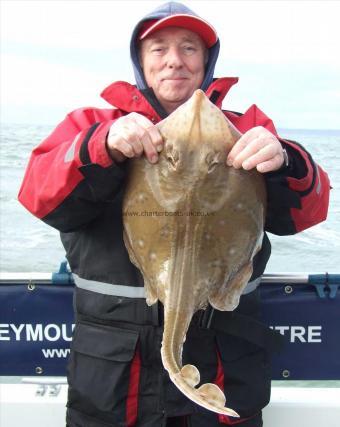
(132, 136)
(257, 148)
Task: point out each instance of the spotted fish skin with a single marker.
(193, 225)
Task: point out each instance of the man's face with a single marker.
(173, 61)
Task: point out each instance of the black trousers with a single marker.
(103, 357)
(209, 420)
(206, 420)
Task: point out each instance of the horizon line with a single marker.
(5, 123)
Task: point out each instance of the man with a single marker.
(75, 183)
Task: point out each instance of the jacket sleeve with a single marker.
(70, 174)
(297, 195)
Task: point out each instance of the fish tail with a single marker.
(187, 378)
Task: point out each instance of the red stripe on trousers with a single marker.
(132, 397)
(219, 381)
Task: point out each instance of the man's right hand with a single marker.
(132, 136)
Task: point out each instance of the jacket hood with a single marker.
(165, 10)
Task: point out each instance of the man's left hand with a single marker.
(257, 148)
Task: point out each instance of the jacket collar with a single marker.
(127, 97)
(219, 88)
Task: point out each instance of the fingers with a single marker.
(270, 165)
(118, 142)
(146, 138)
(152, 131)
(254, 154)
(132, 136)
(240, 145)
(248, 152)
(257, 148)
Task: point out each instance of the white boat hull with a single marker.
(21, 404)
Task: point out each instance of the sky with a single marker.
(57, 56)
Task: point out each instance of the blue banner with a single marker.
(36, 330)
(311, 327)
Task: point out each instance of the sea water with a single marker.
(27, 244)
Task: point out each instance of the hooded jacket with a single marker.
(165, 10)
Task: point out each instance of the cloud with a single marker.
(60, 54)
(280, 31)
(260, 31)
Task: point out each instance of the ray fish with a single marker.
(195, 229)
